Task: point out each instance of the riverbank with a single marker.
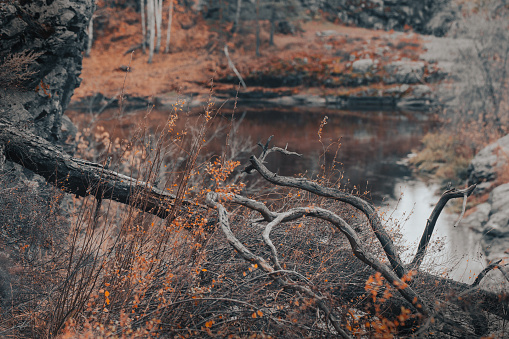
(490, 219)
(322, 65)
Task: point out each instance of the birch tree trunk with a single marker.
(159, 19)
(143, 27)
(168, 32)
(272, 25)
(235, 27)
(257, 28)
(151, 28)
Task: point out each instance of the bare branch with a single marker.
(358, 249)
(362, 205)
(249, 256)
(430, 225)
(233, 68)
(483, 273)
(464, 207)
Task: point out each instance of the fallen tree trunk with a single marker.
(81, 177)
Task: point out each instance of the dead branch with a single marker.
(212, 199)
(430, 224)
(232, 66)
(357, 247)
(81, 177)
(486, 270)
(368, 209)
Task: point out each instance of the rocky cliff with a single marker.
(40, 62)
(41, 44)
(425, 16)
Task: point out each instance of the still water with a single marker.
(368, 150)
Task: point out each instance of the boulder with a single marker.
(478, 218)
(485, 166)
(499, 214)
(362, 66)
(404, 72)
(491, 219)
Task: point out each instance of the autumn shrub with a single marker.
(34, 238)
(109, 270)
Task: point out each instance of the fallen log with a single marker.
(81, 177)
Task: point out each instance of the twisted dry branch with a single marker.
(430, 224)
(327, 192)
(356, 244)
(212, 201)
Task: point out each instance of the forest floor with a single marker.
(316, 60)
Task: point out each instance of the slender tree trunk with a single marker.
(90, 33)
(272, 24)
(168, 32)
(159, 19)
(151, 28)
(143, 27)
(235, 27)
(257, 28)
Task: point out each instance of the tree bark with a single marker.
(151, 28)
(159, 20)
(143, 27)
(81, 177)
(168, 32)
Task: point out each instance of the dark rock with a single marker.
(425, 17)
(45, 40)
(124, 68)
(56, 32)
(286, 27)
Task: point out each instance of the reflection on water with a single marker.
(372, 144)
(458, 248)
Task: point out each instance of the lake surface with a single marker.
(367, 149)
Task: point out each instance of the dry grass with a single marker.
(17, 69)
